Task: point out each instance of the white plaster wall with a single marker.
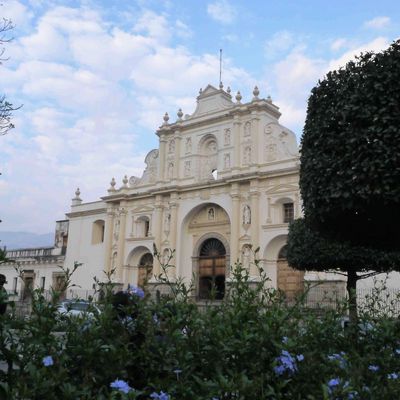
(80, 249)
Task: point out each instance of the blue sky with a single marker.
(96, 77)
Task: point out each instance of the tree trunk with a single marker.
(352, 292)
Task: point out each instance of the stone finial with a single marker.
(256, 92)
(238, 97)
(200, 91)
(112, 185)
(228, 90)
(125, 182)
(221, 85)
(166, 118)
(179, 114)
(269, 99)
(77, 199)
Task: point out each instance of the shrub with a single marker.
(251, 345)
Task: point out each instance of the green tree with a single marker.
(350, 172)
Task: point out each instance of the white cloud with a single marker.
(89, 87)
(222, 11)
(280, 43)
(16, 12)
(182, 30)
(375, 45)
(297, 74)
(377, 23)
(154, 25)
(338, 44)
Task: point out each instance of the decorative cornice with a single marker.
(87, 212)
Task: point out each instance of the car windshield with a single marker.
(77, 306)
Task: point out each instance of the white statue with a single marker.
(188, 145)
(246, 215)
(167, 222)
(227, 137)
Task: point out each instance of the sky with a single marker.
(95, 78)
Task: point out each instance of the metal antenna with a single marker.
(220, 66)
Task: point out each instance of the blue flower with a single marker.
(137, 291)
(121, 385)
(393, 375)
(161, 396)
(373, 368)
(285, 339)
(300, 357)
(397, 351)
(285, 363)
(48, 361)
(339, 358)
(334, 382)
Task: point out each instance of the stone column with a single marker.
(235, 222)
(269, 219)
(177, 154)
(157, 230)
(162, 167)
(121, 244)
(173, 233)
(109, 228)
(236, 142)
(255, 218)
(255, 137)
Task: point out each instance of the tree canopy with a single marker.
(350, 152)
(350, 172)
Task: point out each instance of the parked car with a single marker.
(78, 308)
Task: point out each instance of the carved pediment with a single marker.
(151, 171)
(279, 143)
(282, 189)
(212, 100)
(209, 215)
(142, 209)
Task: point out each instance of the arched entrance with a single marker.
(212, 268)
(290, 281)
(145, 269)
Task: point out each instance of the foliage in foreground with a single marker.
(249, 346)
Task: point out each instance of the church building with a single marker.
(222, 182)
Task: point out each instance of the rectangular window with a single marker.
(15, 283)
(288, 213)
(42, 282)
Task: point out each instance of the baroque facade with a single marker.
(223, 181)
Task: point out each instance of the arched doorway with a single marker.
(212, 268)
(145, 269)
(290, 281)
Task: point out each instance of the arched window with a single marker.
(145, 269)
(98, 231)
(212, 260)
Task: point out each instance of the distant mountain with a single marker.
(22, 240)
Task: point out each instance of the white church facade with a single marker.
(223, 181)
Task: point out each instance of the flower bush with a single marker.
(251, 345)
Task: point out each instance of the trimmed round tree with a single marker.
(350, 172)
(350, 152)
